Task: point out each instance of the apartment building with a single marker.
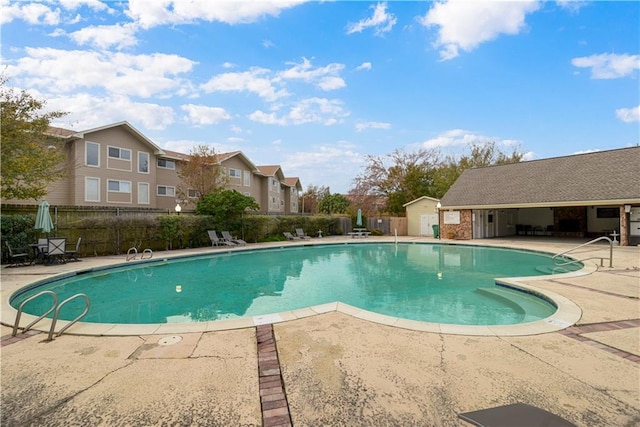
(118, 166)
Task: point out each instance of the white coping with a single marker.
(567, 314)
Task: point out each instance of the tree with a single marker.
(399, 177)
(202, 173)
(311, 197)
(333, 203)
(481, 155)
(32, 157)
(225, 205)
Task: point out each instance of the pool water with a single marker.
(426, 282)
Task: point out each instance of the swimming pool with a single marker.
(424, 282)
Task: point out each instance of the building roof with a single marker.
(419, 199)
(597, 178)
(293, 181)
(128, 127)
(272, 170)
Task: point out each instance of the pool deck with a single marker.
(335, 365)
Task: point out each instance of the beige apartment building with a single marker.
(118, 166)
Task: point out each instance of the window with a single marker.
(166, 164)
(235, 173)
(294, 192)
(164, 190)
(143, 193)
(193, 194)
(91, 189)
(247, 179)
(119, 153)
(92, 154)
(119, 186)
(143, 162)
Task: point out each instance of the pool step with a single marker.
(548, 269)
(531, 307)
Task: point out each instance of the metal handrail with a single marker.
(594, 257)
(26, 328)
(55, 316)
(132, 253)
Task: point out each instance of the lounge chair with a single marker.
(300, 234)
(216, 241)
(16, 259)
(290, 236)
(72, 254)
(226, 236)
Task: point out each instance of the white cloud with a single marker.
(205, 115)
(628, 115)
(228, 65)
(90, 111)
(168, 12)
(256, 80)
(331, 83)
(326, 78)
(95, 5)
(364, 66)
(608, 65)
(311, 110)
(572, 6)
(465, 25)
(267, 44)
(372, 125)
(60, 71)
(455, 138)
(105, 36)
(381, 20)
(331, 165)
(32, 13)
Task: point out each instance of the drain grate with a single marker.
(173, 339)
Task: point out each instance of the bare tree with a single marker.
(201, 174)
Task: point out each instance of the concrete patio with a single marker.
(334, 368)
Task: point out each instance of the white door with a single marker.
(426, 224)
(478, 218)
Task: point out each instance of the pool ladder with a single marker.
(132, 253)
(57, 307)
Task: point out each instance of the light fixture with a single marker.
(178, 208)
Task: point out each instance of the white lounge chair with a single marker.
(300, 234)
(216, 241)
(290, 236)
(226, 236)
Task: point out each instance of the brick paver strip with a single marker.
(576, 332)
(273, 399)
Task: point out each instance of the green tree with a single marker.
(202, 173)
(32, 157)
(481, 155)
(399, 177)
(333, 203)
(309, 199)
(225, 205)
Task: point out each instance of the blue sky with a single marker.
(317, 86)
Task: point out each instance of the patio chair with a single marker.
(290, 236)
(300, 234)
(226, 236)
(55, 250)
(216, 241)
(16, 259)
(72, 254)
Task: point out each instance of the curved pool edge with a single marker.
(567, 313)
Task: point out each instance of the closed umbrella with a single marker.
(359, 218)
(43, 218)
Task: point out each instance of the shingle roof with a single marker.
(592, 178)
